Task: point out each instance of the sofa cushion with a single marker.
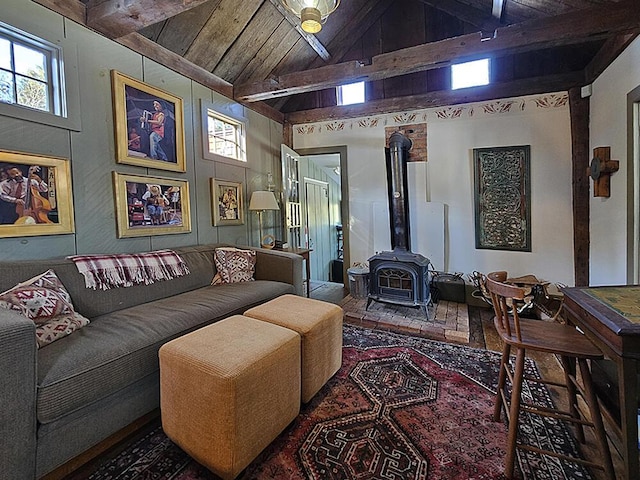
(233, 265)
(44, 300)
(121, 347)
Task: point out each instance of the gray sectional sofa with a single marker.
(60, 400)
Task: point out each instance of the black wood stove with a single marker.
(399, 277)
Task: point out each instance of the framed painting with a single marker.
(503, 198)
(35, 195)
(227, 205)
(149, 125)
(148, 205)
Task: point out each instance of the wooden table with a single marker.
(610, 317)
(304, 253)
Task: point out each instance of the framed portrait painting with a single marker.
(148, 205)
(227, 204)
(503, 198)
(35, 195)
(149, 125)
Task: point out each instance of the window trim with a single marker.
(66, 72)
(226, 114)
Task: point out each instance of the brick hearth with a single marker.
(448, 321)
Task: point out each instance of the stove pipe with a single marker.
(397, 155)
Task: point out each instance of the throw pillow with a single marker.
(233, 265)
(44, 300)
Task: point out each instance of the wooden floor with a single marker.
(483, 335)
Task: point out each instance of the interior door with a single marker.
(318, 228)
(292, 212)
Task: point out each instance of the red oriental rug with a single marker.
(401, 407)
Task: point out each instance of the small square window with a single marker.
(30, 72)
(470, 74)
(226, 136)
(351, 93)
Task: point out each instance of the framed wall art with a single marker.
(503, 198)
(227, 205)
(148, 205)
(149, 125)
(35, 195)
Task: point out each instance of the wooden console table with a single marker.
(610, 317)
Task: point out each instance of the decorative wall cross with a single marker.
(600, 171)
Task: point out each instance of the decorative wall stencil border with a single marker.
(553, 100)
(368, 122)
(501, 106)
(453, 112)
(496, 107)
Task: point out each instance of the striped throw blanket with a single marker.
(124, 270)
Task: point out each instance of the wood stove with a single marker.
(400, 276)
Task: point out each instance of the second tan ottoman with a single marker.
(320, 326)
(227, 390)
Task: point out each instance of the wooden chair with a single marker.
(521, 334)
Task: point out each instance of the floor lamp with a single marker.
(262, 200)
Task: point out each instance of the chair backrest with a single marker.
(502, 295)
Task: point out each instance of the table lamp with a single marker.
(262, 200)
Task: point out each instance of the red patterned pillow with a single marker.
(44, 300)
(233, 265)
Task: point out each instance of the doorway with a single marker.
(318, 227)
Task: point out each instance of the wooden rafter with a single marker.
(607, 54)
(566, 29)
(116, 18)
(497, 10)
(480, 19)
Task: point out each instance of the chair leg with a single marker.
(514, 413)
(569, 367)
(502, 378)
(596, 418)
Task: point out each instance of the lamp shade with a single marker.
(263, 200)
(312, 13)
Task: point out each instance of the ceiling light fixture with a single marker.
(312, 13)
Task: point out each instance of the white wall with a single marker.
(452, 134)
(609, 128)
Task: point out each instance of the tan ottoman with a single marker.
(227, 390)
(320, 326)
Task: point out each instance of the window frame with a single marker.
(485, 59)
(339, 94)
(54, 75)
(228, 117)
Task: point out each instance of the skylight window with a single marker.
(470, 74)
(351, 93)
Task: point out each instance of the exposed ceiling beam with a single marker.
(116, 18)
(529, 86)
(607, 54)
(566, 29)
(498, 9)
(468, 14)
(311, 39)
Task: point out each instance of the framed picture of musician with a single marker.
(227, 204)
(148, 205)
(149, 125)
(35, 195)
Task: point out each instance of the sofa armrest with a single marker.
(279, 266)
(17, 396)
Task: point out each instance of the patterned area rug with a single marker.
(400, 408)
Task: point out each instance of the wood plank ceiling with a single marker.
(253, 50)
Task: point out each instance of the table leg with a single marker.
(627, 376)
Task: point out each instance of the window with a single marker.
(470, 74)
(29, 72)
(226, 136)
(351, 93)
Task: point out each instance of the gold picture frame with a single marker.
(147, 205)
(35, 195)
(149, 125)
(227, 203)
